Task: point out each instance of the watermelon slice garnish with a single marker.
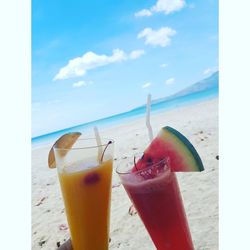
(170, 144)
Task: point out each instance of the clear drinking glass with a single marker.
(85, 174)
(155, 193)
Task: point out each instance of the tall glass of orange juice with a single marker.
(85, 174)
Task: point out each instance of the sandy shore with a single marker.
(199, 123)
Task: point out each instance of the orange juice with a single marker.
(86, 191)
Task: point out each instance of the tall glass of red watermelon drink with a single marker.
(155, 194)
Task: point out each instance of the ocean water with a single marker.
(130, 115)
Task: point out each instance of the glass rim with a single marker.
(142, 170)
(109, 141)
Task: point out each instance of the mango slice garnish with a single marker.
(65, 141)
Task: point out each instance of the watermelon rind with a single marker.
(186, 145)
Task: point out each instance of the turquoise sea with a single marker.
(126, 116)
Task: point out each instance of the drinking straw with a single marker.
(150, 131)
(99, 143)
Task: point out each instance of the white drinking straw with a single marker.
(99, 143)
(150, 131)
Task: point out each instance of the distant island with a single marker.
(209, 83)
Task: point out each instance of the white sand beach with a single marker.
(198, 122)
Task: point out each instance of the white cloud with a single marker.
(165, 6)
(136, 54)
(143, 12)
(168, 6)
(80, 65)
(160, 37)
(79, 84)
(146, 85)
(170, 81)
(163, 65)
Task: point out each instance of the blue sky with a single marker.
(93, 59)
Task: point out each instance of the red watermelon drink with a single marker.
(152, 186)
(155, 194)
